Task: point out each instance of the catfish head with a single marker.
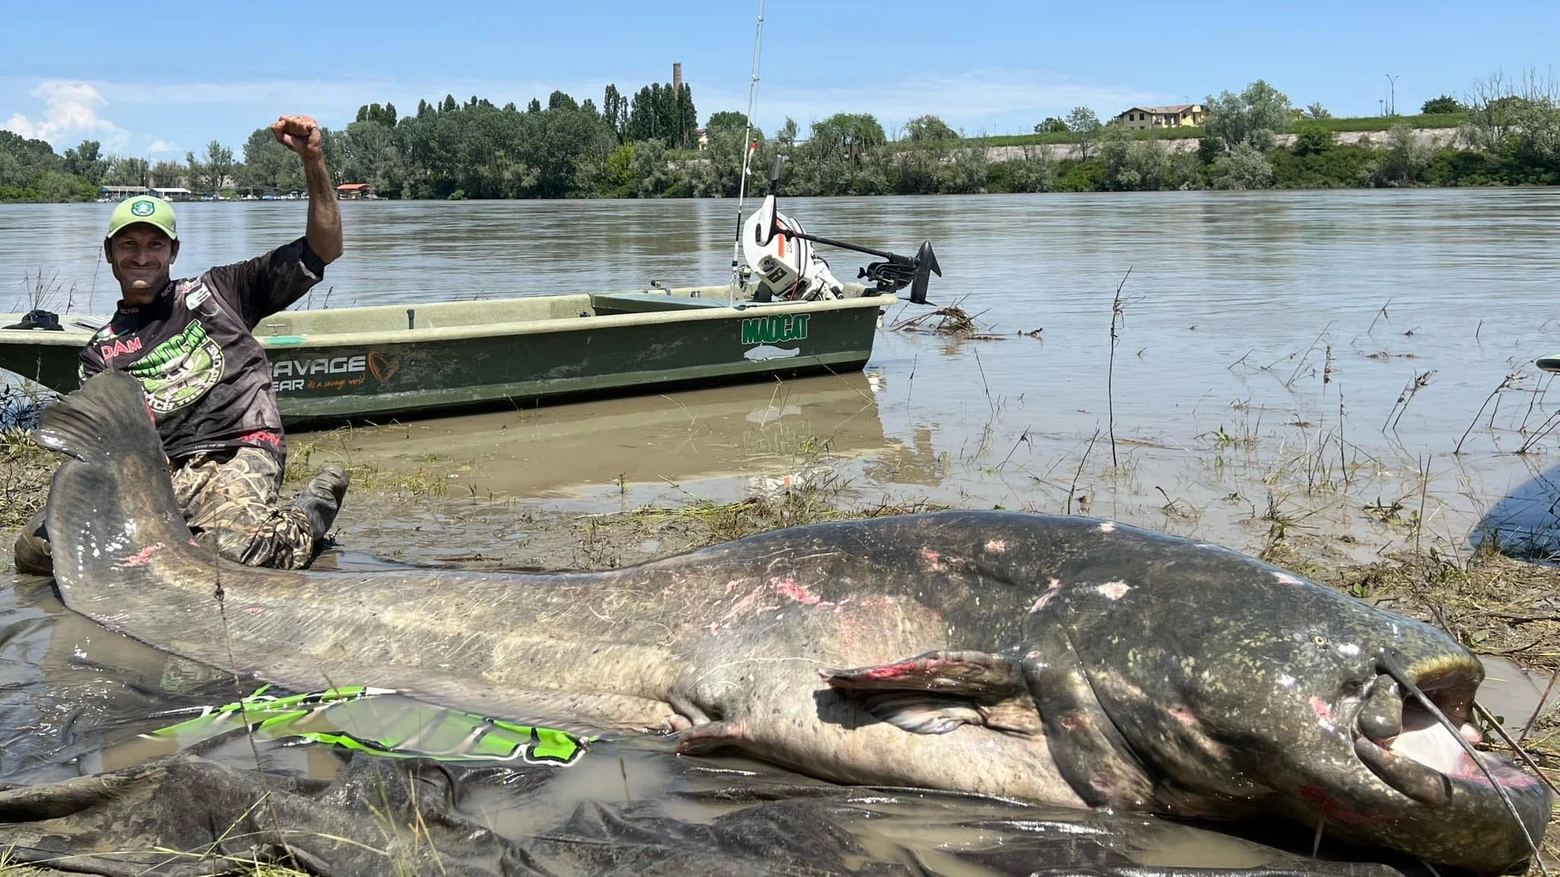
(1224, 686)
(1173, 676)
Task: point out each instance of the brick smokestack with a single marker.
(676, 77)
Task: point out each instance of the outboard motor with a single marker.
(787, 267)
(781, 253)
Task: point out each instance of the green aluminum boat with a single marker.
(396, 360)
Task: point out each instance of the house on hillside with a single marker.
(1178, 116)
(355, 191)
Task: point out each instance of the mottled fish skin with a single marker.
(1054, 658)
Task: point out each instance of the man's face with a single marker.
(141, 256)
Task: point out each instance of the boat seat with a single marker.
(606, 304)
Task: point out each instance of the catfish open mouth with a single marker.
(1405, 735)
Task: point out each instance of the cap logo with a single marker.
(143, 208)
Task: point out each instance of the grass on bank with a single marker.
(25, 468)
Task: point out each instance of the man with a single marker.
(206, 378)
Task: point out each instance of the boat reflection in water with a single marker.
(730, 440)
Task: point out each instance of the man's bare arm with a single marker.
(301, 134)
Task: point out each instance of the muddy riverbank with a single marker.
(1507, 609)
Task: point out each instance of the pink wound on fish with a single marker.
(1322, 709)
(996, 546)
(933, 560)
(789, 588)
(1113, 590)
(891, 671)
(144, 556)
(1050, 591)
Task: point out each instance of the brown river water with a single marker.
(1311, 358)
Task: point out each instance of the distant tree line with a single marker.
(647, 145)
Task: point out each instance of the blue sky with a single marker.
(159, 79)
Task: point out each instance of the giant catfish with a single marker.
(1064, 660)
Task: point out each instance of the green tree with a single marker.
(1242, 167)
(1518, 121)
(1312, 139)
(172, 173)
(786, 136)
(384, 115)
(194, 175)
(1051, 125)
(614, 110)
(127, 171)
(268, 165)
(1033, 171)
(218, 165)
(1443, 104)
(87, 161)
(848, 135)
(929, 129)
(931, 159)
(1405, 158)
(1316, 112)
(369, 154)
(14, 176)
(561, 101)
(1085, 126)
(1251, 117)
(1141, 165)
(726, 120)
(54, 185)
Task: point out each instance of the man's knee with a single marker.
(31, 553)
(286, 538)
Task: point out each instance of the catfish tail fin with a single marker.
(111, 505)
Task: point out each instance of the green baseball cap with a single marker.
(143, 209)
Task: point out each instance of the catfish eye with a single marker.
(1319, 640)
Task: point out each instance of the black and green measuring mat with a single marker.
(1550, 363)
(369, 720)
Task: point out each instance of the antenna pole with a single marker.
(747, 153)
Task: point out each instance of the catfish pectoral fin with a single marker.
(920, 712)
(935, 692)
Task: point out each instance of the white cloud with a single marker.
(163, 146)
(69, 108)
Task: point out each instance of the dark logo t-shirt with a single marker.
(206, 378)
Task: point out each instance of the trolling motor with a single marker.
(891, 275)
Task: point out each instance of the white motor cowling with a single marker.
(786, 267)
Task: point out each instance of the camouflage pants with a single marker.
(231, 505)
